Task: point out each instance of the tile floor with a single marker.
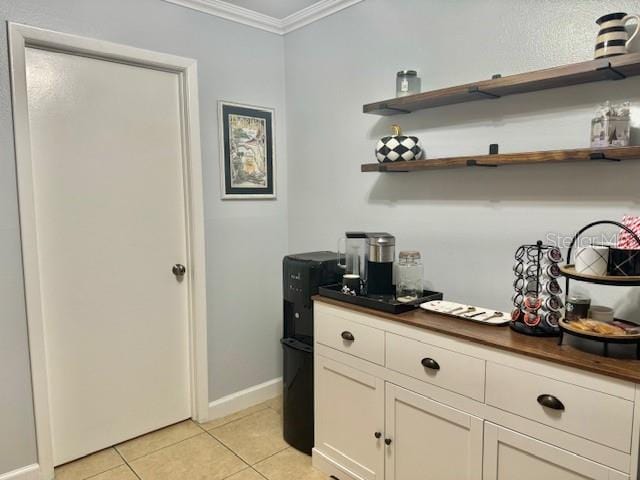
(247, 445)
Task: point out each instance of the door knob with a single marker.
(378, 434)
(179, 270)
(387, 441)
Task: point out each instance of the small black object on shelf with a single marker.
(494, 149)
(605, 340)
(387, 304)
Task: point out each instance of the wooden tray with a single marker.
(570, 272)
(631, 338)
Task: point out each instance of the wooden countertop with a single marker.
(504, 338)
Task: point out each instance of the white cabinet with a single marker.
(349, 413)
(509, 455)
(430, 441)
(394, 402)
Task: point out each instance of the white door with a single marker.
(350, 418)
(430, 441)
(107, 153)
(509, 455)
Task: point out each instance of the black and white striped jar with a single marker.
(613, 37)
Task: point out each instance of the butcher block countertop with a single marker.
(504, 338)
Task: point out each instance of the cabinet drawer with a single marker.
(589, 414)
(447, 369)
(350, 337)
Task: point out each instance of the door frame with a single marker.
(20, 38)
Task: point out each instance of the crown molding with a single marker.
(312, 13)
(315, 12)
(234, 13)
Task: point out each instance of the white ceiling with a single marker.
(274, 8)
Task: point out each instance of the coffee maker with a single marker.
(368, 256)
(380, 255)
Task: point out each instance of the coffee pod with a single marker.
(552, 287)
(552, 270)
(554, 255)
(516, 314)
(531, 319)
(553, 303)
(550, 318)
(532, 302)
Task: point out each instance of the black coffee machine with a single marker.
(302, 275)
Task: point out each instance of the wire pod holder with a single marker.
(570, 273)
(537, 299)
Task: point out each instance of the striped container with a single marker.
(613, 38)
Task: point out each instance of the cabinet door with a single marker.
(430, 441)
(510, 455)
(349, 413)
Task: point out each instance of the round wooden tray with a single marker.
(570, 272)
(567, 327)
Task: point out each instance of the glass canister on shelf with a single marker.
(409, 285)
(407, 83)
(611, 126)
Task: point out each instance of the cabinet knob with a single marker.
(377, 434)
(387, 441)
(430, 363)
(348, 336)
(551, 402)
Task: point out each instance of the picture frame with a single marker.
(247, 151)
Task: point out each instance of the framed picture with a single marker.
(246, 151)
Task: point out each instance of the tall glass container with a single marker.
(409, 285)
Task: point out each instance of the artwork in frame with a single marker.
(247, 153)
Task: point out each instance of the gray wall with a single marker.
(467, 223)
(245, 240)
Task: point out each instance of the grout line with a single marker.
(263, 476)
(115, 447)
(127, 463)
(271, 456)
(266, 407)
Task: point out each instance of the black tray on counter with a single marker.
(386, 304)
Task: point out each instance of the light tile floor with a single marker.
(247, 445)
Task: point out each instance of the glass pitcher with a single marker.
(351, 259)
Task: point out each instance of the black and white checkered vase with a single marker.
(397, 148)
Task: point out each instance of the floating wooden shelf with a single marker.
(570, 272)
(613, 68)
(526, 158)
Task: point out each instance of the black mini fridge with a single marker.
(302, 275)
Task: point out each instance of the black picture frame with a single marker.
(247, 151)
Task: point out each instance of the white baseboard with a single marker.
(244, 399)
(30, 472)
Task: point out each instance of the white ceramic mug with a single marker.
(601, 313)
(592, 260)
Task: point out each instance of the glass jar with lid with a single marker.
(409, 285)
(407, 83)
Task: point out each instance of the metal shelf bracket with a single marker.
(476, 90)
